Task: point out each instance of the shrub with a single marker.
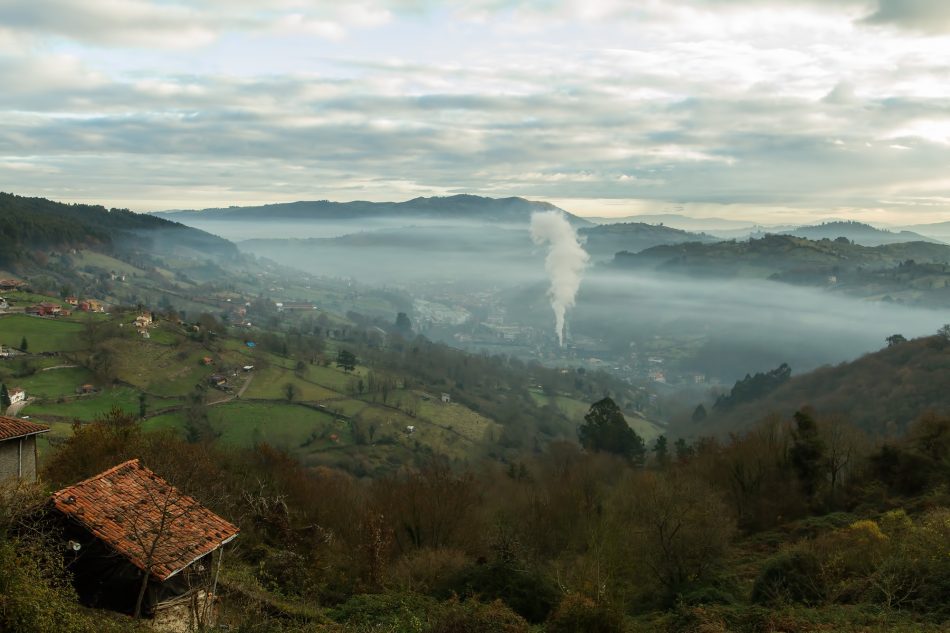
(428, 570)
(527, 592)
(472, 616)
(579, 613)
(794, 576)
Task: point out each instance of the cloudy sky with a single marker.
(771, 110)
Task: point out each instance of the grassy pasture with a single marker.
(87, 408)
(42, 334)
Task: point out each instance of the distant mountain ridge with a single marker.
(458, 207)
(857, 232)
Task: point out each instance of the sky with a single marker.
(772, 111)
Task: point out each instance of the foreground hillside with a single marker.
(881, 393)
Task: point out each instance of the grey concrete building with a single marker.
(18, 448)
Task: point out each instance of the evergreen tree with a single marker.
(346, 360)
(807, 453)
(24, 345)
(403, 324)
(661, 451)
(699, 413)
(4, 397)
(605, 429)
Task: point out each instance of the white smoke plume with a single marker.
(565, 262)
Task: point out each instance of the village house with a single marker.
(86, 388)
(133, 538)
(217, 380)
(9, 285)
(91, 305)
(73, 301)
(446, 398)
(143, 320)
(18, 448)
(207, 360)
(45, 309)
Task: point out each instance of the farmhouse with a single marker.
(446, 398)
(217, 380)
(11, 284)
(91, 305)
(133, 538)
(18, 448)
(73, 301)
(45, 309)
(143, 320)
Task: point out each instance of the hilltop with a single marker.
(881, 393)
(459, 207)
(607, 239)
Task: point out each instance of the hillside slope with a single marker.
(37, 223)
(881, 392)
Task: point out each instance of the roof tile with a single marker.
(14, 427)
(125, 506)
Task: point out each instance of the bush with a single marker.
(530, 594)
(472, 616)
(579, 613)
(794, 576)
(428, 570)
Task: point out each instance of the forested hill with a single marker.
(607, 239)
(777, 254)
(460, 207)
(882, 392)
(27, 224)
(858, 232)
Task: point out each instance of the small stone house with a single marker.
(126, 528)
(18, 448)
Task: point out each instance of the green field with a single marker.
(288, 426)
(42, 334)
(54, 383)
(269, 384)
(87, 408)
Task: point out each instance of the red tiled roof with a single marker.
(11, 428)
(124, 507)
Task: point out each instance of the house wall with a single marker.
(11, 454)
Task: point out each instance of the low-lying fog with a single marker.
(721, 327)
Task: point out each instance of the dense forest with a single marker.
(27, 224)
(799, 524)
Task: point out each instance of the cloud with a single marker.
(695, 102)
(925, 16)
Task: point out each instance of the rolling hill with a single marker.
(775, 254)
(605, 240)
(857, 232)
